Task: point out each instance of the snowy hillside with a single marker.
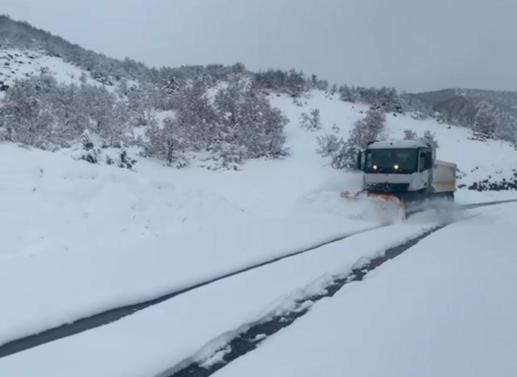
(476, 159)
(19, 64)
(492, 111)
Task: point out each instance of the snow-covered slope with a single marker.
(476, 159)
(19, 64)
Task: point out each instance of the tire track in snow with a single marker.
(114, 314)
(485, 204)
(253, 334)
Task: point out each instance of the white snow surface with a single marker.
(81, 238)
(17, 64)
(446, 307)
(163, 336)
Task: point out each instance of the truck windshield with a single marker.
(403, 161)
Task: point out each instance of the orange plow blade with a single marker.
(387, 207)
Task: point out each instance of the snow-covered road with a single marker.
(192, 327)
(164, 335)
(447, 307)
(115, 313)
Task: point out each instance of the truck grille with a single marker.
(388, 187)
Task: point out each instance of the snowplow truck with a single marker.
(404, 172)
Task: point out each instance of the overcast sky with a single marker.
(413, 45)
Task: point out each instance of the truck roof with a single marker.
(397, 144)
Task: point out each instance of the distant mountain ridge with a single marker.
(474, 108)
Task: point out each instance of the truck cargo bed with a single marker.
(444, 177)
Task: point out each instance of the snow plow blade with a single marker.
(374, 196)
(388, 208)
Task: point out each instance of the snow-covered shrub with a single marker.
(337, 149)
(89, 153)
(40, 112)
(142, 102)
(239, 124)
(246, 119)
(311, 121)
(122, 160)
(328, 144)
(228, 156)
(90, 149)
(290, 82)
(386, 98)
(484, 122)
(365, 130)
(490, 185)
(345, 156)
(168, 142)
(430, 139)
(231, 155)
(410, 135)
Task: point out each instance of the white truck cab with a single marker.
(406, 168)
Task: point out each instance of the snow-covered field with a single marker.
(80, 238)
